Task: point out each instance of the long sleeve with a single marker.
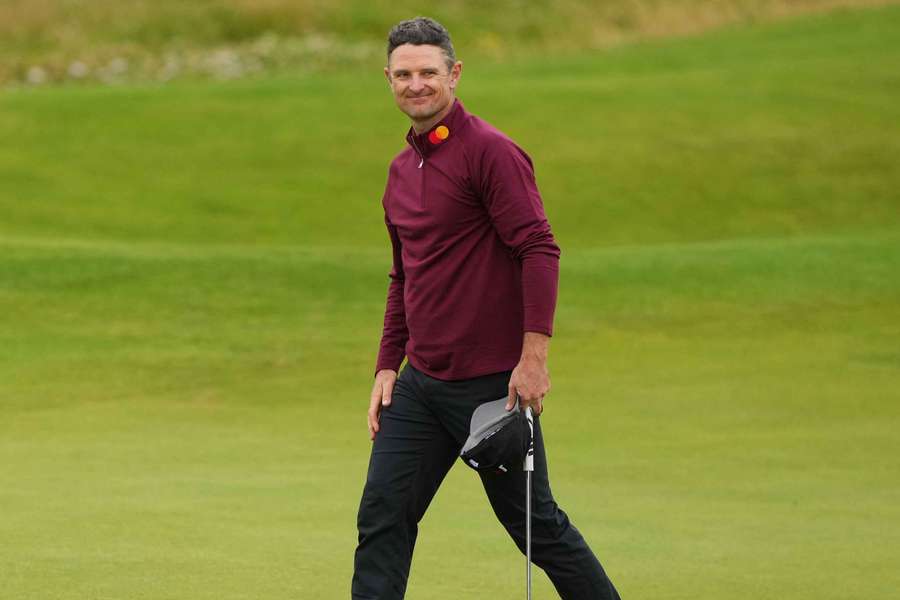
(511, 196)
(395, 333)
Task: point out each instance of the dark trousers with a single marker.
(422, 432)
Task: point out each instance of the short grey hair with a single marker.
(422, 31)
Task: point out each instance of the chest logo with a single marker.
(439, 134)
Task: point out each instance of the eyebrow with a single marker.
(424, 70)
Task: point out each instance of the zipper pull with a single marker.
(421, 161)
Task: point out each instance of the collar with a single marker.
(440, 133)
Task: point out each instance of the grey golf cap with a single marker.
(498, 438)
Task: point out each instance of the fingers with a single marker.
(382, 392)
(374, 410)
(373, 415)
(387, 391)
(529, 382)
(536, 404)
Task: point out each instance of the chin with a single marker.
(421, 112)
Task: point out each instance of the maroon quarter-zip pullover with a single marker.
(475, 263)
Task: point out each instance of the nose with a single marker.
(417, 84)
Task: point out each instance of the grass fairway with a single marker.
(192, 280)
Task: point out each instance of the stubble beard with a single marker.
(423, 113)
(420, 113)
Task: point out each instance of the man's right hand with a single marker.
(381, 396)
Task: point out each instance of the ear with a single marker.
(455, 74)
(387, 74)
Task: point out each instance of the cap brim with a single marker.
(485, 419)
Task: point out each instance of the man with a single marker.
(470, 305)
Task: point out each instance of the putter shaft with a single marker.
(528, 534)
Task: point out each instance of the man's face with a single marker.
(422, 84)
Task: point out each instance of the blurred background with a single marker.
(193, 268)
(76, 40)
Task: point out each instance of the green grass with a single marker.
(775, 131)
(191, 287)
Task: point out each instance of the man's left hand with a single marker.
(531, 379)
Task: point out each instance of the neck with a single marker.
(423, 126)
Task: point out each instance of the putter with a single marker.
(528, 467)
(491, 443)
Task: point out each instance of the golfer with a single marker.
(470, 306)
